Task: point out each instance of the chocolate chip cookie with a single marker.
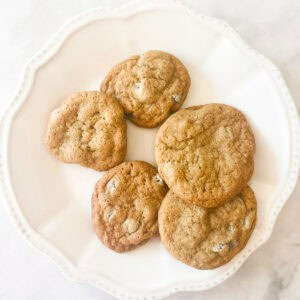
(205, 153)
(149, 86)
(206, 238)
(125, 205)
(88, 129)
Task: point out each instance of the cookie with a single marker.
(205, 153)
(206, 238)
(149, 87)
(125, 205)
(88, 129)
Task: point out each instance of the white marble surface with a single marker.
(270, 26)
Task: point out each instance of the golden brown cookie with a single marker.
(148, 86)
(206, 238)
(125, 205)
(205, 153)
(88, 129)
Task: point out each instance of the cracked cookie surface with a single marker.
(88, 129)
(149, 86)
(125, 205)
(205, 153)
(206, 238)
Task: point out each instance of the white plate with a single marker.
(50, 201)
